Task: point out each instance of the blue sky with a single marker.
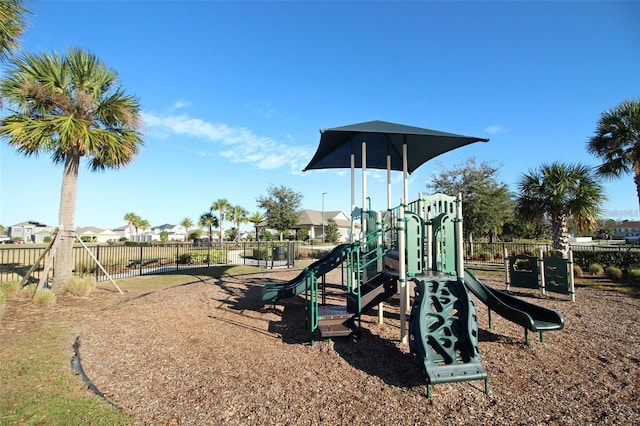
(234, 94)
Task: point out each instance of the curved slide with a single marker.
(528, 315)
(272, 292)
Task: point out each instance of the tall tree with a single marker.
(71, 106)
(617, 142)
(281, 205)
(144, 225)
(257, 218)
(238, 215)
(209, 221)
(486, 203)
(221, 205)
(132, 221)
(187, 223)
(560, 191)
(12, 15)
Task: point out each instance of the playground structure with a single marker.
(421, 243)
(553, 273)
(418, 242)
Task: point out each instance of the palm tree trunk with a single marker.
(221, 228)
(636, 179)
(560, 232)
(64, 256)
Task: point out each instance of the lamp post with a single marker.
(323, 194)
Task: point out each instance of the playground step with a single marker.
(333, 312)
(334, 330)
(374, 291)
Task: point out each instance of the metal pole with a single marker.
(323, 194)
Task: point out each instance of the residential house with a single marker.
(132, 234)
(625, 229)
(30, 231)
(97, 235)
(175, 232)
(312, 221)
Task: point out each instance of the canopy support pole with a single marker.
(353, 195)
(364, 186)
(405, 173)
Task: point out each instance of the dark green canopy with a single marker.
(382, 139)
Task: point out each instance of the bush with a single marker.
(9, 287)
(88, 267)
(81, 286)
(596, 269)
(634, 274)
(577, 271)
(44, 297)
(613, 273)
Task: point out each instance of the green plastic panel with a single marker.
(443, 331)
(556, 274)
(414, 243)
(524, 271)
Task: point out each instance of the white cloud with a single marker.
(180, 104)
(496, 129)
(238, 144)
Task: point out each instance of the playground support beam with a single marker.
(459, 237)
(379, 262)
(402, 274)
(363, 217)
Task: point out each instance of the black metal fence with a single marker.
(122, 261)
(493, 253)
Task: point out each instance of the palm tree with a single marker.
(617, 142)
(559, 191)
(132, 221)
(11, 26)
(221, 206)
(209, 221)
(70, 106)
(187, 223)
(238, 215)
(144, 225)
(257, 218)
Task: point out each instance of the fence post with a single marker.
(140, 264)
(177, 256)
(542, 272)
(98, 259)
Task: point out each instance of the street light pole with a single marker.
(323, 194)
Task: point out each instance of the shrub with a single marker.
(86, 268)
(596, 269)
(9, 287)
(81, 286)
(634, 274)
(45, 297)
(613, 273)
(577, 271)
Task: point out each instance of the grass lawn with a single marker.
(37, 383)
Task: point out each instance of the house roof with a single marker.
(628, 224)
(163, 227)
(88, 230)
(314, 218)
(31, 223)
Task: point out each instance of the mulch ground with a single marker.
(210, 352)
